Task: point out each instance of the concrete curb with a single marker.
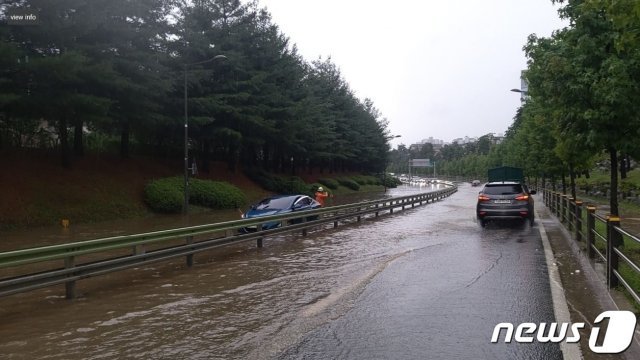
(570, 351)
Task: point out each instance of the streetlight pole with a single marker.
(185, 205)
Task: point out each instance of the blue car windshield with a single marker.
(275, 203)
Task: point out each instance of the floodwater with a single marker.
(423, 283)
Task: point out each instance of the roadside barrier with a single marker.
(604, 239)
(35, 268)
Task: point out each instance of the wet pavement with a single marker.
(426, 283)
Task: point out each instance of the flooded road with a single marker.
(425, 283)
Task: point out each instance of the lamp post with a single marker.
(185, 206)
(384, 174)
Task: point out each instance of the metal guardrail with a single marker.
(606, 230)
(40, 267)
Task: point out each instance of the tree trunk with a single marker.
(124, 140)
(564, 182)
(78, 143)
(205, 156)
(613, 196)
(65, 159)
(572, 177)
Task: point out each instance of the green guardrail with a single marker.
(227, 233)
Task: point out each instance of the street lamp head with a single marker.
(519, 91)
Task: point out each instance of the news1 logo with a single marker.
(615, 340)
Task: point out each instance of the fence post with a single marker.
(578, 219)
(570, 213)
(591, 225)
(563, 207)
(613, 241)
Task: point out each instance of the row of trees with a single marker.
(114, 70)
(471, 159)
(582, 100)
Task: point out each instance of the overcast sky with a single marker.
(435, 68)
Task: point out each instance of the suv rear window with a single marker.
(503, 189)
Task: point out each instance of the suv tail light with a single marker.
(483, 198)
(522, 197)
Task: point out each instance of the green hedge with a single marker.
(167, 195)
(349, 183)
(391, 181)
(280, 184)
(330, 183)
(215, 194)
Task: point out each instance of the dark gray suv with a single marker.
(505, 200)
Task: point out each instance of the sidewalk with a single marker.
(584, 287)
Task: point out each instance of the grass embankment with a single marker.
(36, 191)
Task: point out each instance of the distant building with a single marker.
(464, 140)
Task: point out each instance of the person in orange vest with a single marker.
(321, 195)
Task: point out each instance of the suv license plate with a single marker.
(502, 201)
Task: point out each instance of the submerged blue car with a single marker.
(279, 204)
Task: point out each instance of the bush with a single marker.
(349, 183)
(215, 194)
(330, 183)
(165, 195)
(361, 180)
(390, 181)
(280, 184)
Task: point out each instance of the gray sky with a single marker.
(436, 68)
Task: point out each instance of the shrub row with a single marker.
(349, 183)
(367, 180)
(164, 195)
(167, 195)
(215, 194)
(280, 184)
(330, 183)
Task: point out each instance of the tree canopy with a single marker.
(115, 72)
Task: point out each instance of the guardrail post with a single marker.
(377, 211)
(259, 242)
(591, 226)
(139, 249)
(190, 256)
(70, 286)
(578, 220)
(391, 207)
(304, 230)
(613, 241)
(359, 216)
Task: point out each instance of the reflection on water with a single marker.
(236, 302)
